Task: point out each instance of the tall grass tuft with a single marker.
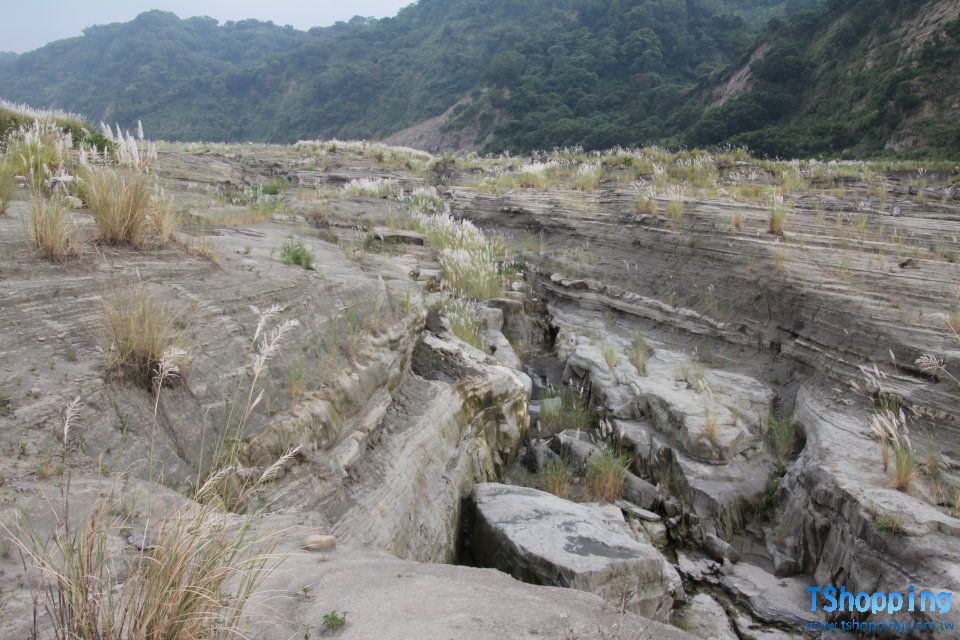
(639, 352)
(463, 323)
(52, 229)
(556, 476)
(164, 221)
(906, 471)
(225, 482)
(190, 579)
(605, 474)
(566, 409)
(141, 329)
(8, 188)
(778, 220)
(609, 353)
(675, 213)
(191, 583)
(121, 203)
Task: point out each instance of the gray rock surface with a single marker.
(705, 618)
(540, 538)
(388, 598)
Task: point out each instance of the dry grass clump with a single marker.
(190, 580)
(711, 428)
(556, 476)
(779, 256)
(52, 229)
(737, 221)
(674, 213)
(778, 220)
(890, 429)
(647, 205)
(141, 329)
(605, 474)
(191, 583)
(164, 221)
(906, 467)
(8, 188)
(121, 204)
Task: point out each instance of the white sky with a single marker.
(30, 24)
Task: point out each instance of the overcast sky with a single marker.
(30, 24)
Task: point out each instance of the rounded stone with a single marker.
(319, 543)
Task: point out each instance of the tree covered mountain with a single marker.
(860, 77)
(505, 75)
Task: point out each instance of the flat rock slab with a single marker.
(384, 597)
(543, 539)
(769, 598)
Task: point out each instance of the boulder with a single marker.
(543, 539)
(576, 446)
(641, 493)
(538, 455)
(706, 619)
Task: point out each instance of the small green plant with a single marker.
(275, 186)
(639, 352)
(556, 476)
(783, 438)
(609, 353)
(334, 620)
(294, 252)
(888, 523)
(605, 474)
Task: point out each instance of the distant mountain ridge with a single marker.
(785, 77)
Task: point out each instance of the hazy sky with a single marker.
(29, 24)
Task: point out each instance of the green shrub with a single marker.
(295, 252)
(275, 186)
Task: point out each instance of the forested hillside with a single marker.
(863, 77)
(525, 75)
